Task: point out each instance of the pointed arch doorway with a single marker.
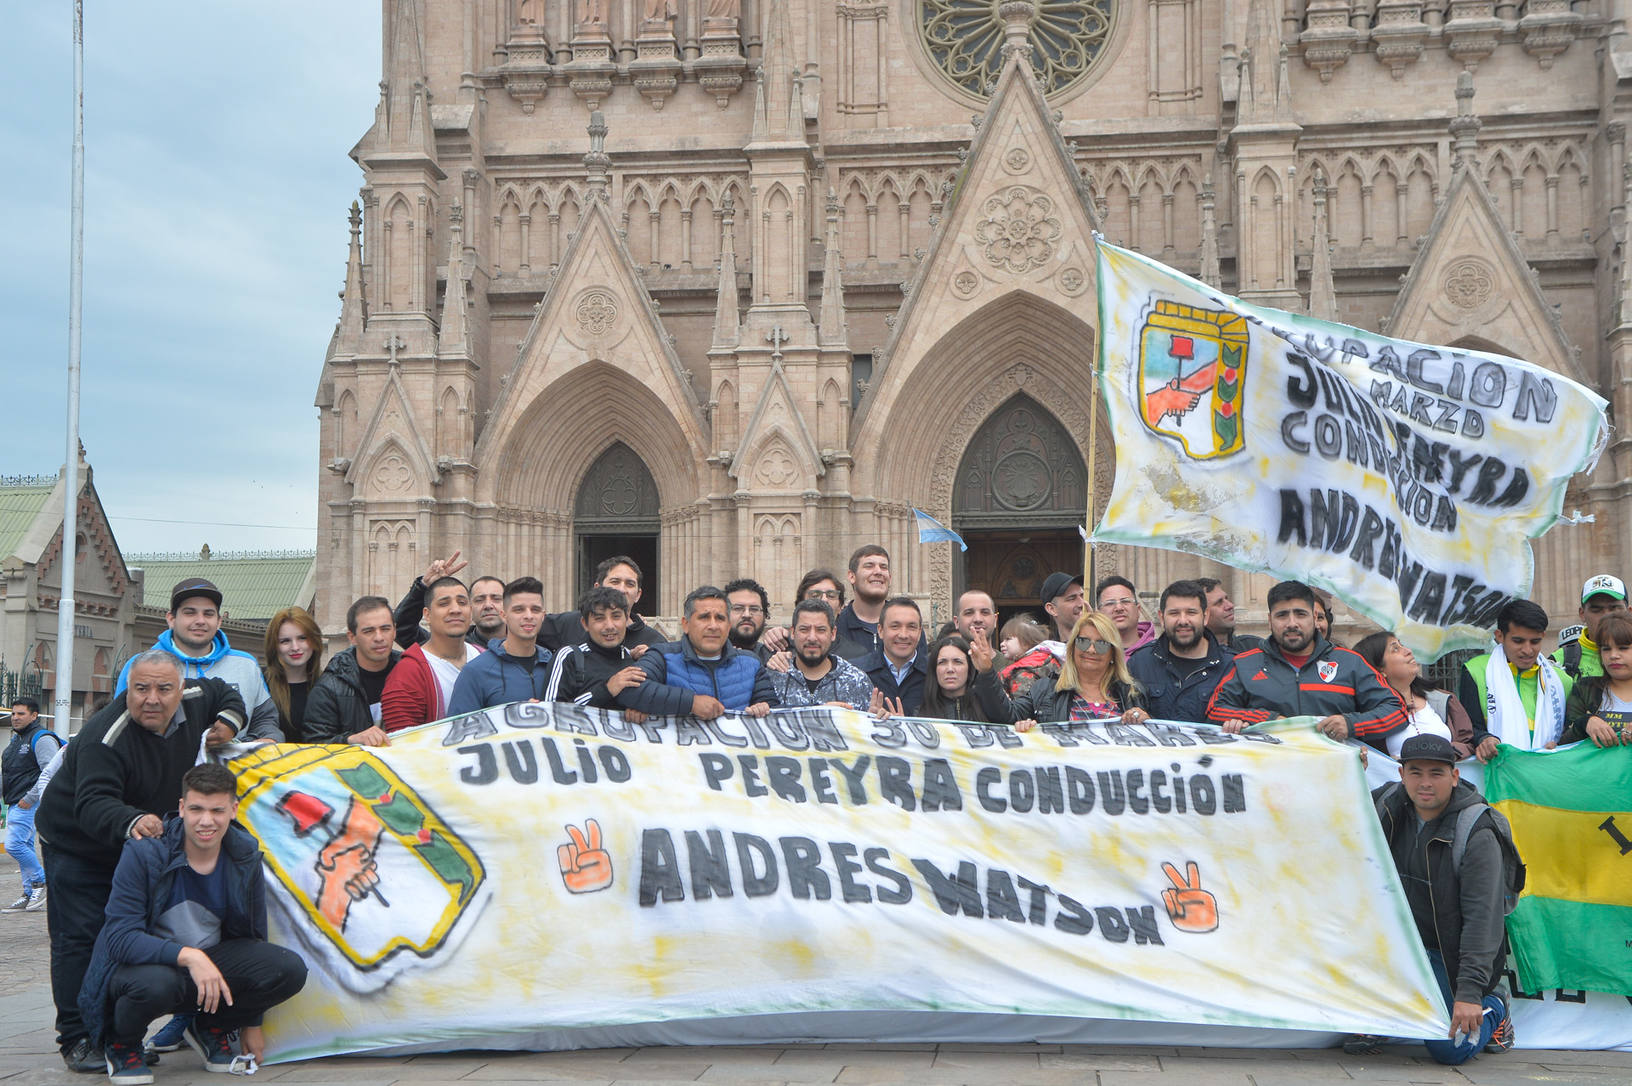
(1019, 496)
(616, 513)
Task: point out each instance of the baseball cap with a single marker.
(1056, 584)
(1428, 748)
(1604, 584)
(194, 586)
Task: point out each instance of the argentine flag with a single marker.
(931, 530)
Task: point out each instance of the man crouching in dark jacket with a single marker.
(1458, 907)
(186, 931)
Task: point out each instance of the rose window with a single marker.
(965, 38)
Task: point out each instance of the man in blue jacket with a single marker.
(515, 667)
(186, 931)
(1180, 669)
(702, 674)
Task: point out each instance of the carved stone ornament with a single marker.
(965, 283)
(1072, 280)
(596, 311)
(1020, 481)
(1017, 160)
(776, 467)
(1018, 228)
(1469, 283)
(392, 476)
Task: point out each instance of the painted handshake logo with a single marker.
(1190, 907)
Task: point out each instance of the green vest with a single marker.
(1529, 687)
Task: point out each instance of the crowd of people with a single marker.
(114, 862)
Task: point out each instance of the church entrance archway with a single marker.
(1019, 496)
(616, 513)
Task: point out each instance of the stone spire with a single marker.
(1210, 272)
(1465, 125)
(727, 322)
(354, 303)
(1017, 16)
(778, 111)
(831, 330)
(1322, 291)
(403, 123)
(597, 162)
(1260, 89)
(454, 340)
(1283, 88)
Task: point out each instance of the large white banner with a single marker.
(1406, 479)
(547, 875)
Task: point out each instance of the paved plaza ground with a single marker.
(28, 1055)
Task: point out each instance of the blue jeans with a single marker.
(1447, 1051)
(20, 844)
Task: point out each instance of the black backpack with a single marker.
(1513, 870)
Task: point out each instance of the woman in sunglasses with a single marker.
(1093, 684)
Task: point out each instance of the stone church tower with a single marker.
(733, 285)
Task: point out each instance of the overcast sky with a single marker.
(216, 194)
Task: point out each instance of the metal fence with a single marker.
(29, 682)
(1445, 673)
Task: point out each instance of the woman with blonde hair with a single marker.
(294, 660)
(1094, 683)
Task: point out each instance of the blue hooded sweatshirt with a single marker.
(230, 666)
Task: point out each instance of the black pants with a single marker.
(75, 907)
(258, 974)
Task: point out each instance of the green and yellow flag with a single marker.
(1571, 812)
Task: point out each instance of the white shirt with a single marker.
(900, 673)
(447, 673)
(1422, 721)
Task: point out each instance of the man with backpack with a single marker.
(24, 759)
(1461, 876)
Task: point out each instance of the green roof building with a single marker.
(105, 593)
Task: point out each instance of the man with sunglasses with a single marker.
(1300, 673)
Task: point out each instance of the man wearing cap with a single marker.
(1458, 907)
(195, 638)
(1604, 594)
(1063, 602)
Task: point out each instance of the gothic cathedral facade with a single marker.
(735, 285)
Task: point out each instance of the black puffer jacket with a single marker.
(337, 707)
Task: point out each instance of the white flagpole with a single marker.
(63, 720)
